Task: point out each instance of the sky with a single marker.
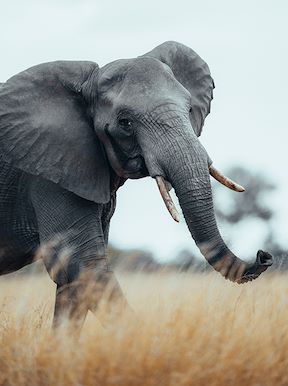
(245, 45)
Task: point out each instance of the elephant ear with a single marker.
(45, 129)
(193, 73)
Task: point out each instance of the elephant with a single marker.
(72, 133)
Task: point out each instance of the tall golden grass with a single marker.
(187, 330)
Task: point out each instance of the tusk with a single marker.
(167, 198)
(225, 180)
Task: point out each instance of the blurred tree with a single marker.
(250, 204)
(186, 261)
(255, 203)
(132, 259)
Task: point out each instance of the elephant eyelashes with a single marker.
(124, 123)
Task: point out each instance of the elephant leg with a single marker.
(73, 250)
(68, 304)
(73, 300)
(107, 300)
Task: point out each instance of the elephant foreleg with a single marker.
(73, 234)
(69, 305)
(73, 300)
(106, 298)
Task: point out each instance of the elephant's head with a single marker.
(147, 114)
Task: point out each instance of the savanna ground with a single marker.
(188, 330)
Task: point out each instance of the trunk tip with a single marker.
(264, 258)
(263, 261)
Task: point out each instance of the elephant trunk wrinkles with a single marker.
(189, 175)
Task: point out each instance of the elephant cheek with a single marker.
(136, 166)
(133, 165)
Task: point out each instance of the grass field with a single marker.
(188, 330)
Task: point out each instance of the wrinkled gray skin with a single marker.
(71, 134)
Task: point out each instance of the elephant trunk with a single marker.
(189, 175)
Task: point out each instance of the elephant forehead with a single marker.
(140, 84)
(150, 81)
(149, 71)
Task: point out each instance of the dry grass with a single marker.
(190, 330)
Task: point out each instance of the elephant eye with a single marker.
(125, 123)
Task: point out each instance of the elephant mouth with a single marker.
(125, 167)
(135, 168)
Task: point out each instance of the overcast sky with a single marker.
(245, 45)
